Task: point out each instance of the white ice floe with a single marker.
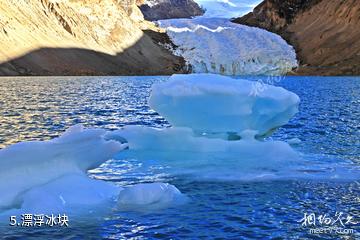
(151, 3)
(207, 157)
(50, 176)
(214, 104)
(218, 125)
(69, 193)
(150, 196)
(216, 45)
(30, 164)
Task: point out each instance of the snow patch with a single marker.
(30, 164)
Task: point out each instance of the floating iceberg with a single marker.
(30, 164)
(150, 196)
(218, 125)
(214, 45)
(210, 103)
(217, 133)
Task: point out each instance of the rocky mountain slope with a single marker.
(81, 37)
(166, 9)
(325, 33)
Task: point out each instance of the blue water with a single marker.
(328, 125)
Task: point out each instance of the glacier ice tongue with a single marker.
(216, 45)
(209, 103)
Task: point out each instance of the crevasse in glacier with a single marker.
(216, 45)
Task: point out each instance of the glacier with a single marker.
(235, 105)
(216, 45)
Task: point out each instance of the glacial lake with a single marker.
(328, 125)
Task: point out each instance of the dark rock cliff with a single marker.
(325, 34)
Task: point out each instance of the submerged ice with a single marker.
(216, 45)
(30, 164)
(151, 196)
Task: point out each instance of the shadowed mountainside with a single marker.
(325, 34)
(88, 37)
(140, 59)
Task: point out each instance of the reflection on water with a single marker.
(328, 123)
(40, 107)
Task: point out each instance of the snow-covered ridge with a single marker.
(216, 45)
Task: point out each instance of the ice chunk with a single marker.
(184, 152)
(30, 164)
(150, 196)
(212, 45)
(213, 103)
